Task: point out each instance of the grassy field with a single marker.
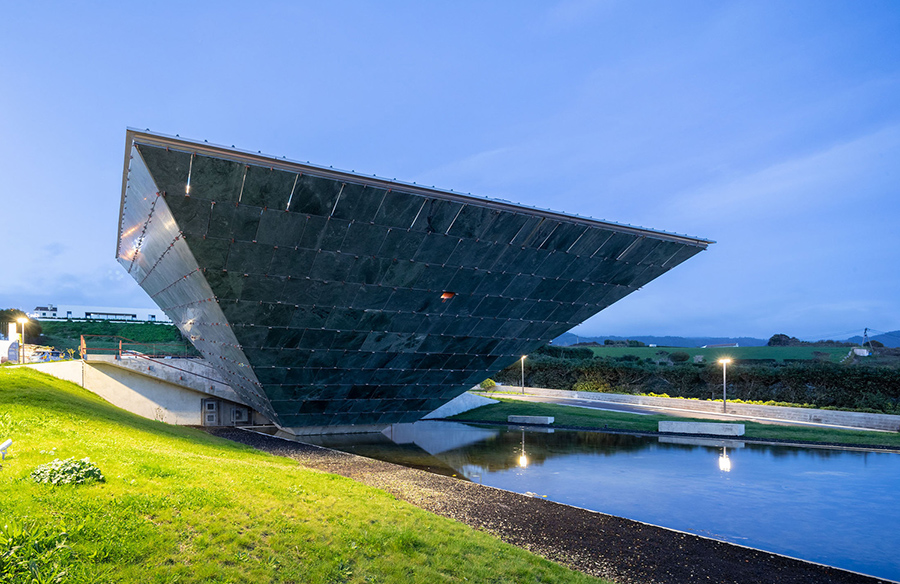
(835, 354)
(179, 505)
(585, 418)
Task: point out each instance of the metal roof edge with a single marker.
(134, 135)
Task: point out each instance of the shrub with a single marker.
(679, 357)
(67, 472)
(487, 384)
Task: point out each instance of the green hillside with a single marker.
(179, 505)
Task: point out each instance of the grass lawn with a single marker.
(179, 505)
(711, 355)
(585, 418)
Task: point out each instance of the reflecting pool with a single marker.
(836, 507)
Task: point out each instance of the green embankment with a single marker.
(600, 419)
(181, 506)
(779, 354)
(150, 338)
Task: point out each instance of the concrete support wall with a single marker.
(138, 390)
(67, 370)
(144, 396)
(836, 418)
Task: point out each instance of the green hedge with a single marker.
(822, 384)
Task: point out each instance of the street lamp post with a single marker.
(724, 363)
(523, 374)
(22, 320)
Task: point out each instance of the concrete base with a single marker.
(460, 404)
(545, 420)
(711, 428)
(320, 430)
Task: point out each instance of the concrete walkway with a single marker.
(643, 409)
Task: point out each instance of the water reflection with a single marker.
(830, 506)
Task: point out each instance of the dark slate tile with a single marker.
(404, 322)
(263, 287)
(523, 286)
(686, 252)
(436, 216)
(287, 261)
(280, 228)
(369, 270)
(471, 222)
(344, 319)
(169, 168)
(313, 232)
(216, 179)
(249, 335)
(226, 285)
(527, 231)
(504, 227)
(363, 238)
(315, 195)
(615, 245)
(267, 187)
(290, 359)
(348, 341)
(571, 291)
(372, 297)
(413, 301)
(461, 305)
(358, 203)
(540, 234)
(317, 339)
(490, 306)
(244, 222)
(399, 209)
(400, 244)
(332, 266)
(191, 214)
(436, 249)
(403, 274)
(210, 253)
(661, 253)
(283, 338)
(310, 317)
(249, 258)
(436, 277)
(563, 237)
(638, 250)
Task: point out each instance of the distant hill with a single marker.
(891, 339)
(567, 339)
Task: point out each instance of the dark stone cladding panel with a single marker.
(327, 299)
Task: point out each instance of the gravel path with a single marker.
(621, 550)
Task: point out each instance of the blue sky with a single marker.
(770, 127)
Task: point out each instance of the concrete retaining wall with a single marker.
(831, 417)
(713, 428)
(148, 389)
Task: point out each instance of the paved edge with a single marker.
(621, 550)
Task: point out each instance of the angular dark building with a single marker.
(332, 299)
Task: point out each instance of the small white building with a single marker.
(75, 312)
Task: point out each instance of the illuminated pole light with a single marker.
(22, 320)
(523, 379)
(724, 363)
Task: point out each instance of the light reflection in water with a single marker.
(830, 506)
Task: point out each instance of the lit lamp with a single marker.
(22, 320)
(724, 363)
(523, 379)
(724, 461)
